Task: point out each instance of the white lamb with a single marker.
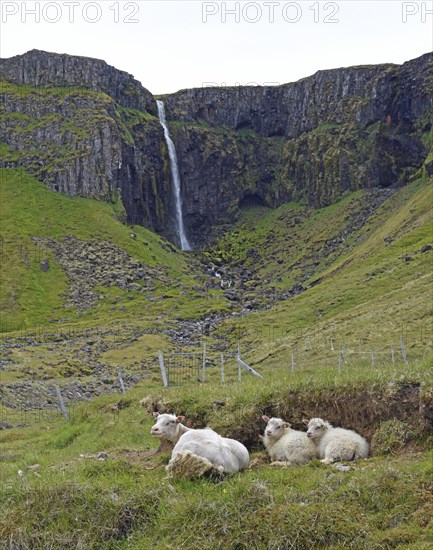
(287, 446)
(198, 451)
(335, 444)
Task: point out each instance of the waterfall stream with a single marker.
(184, 244)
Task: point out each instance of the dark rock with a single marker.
(5, 425)
(111, 157)
(90, 264)
(101, 456)
(39, 68)
(300, 133)
(45, 265)
(135, 287)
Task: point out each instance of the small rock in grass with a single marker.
(342, 467)
(5, 425)
(101, 456)
(33, 467)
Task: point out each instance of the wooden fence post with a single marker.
(247, 367)
(61, 402)
(122, 385)
(403, 350)
(340, 361)
(239, 367)
(222, 369)
(203, 374)
(162, 367)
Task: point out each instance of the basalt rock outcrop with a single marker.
(51, 70)
(85, 128)
(336, 131)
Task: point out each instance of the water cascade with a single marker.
(184, 244)
(218, 275)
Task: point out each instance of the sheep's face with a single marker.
(275, 427)
(166, 426)
(317, 428)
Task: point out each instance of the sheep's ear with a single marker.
(155, 414)
(305, 421)
(260, 437)
(265, 418)
(286, 425)
(180, 419)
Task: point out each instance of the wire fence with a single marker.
(38, 399)
(179, 368)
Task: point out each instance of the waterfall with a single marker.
(184, 244)
(223, 282)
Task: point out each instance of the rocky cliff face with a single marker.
(337, 131)
(38, 68)
(340, 96)
(87, 145)
(85, 128)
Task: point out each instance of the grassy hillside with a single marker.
(33, 216)
(361, 270)
(366, 275)
(81, 297)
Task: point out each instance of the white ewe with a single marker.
(198, 451)
(334, 444)
(285, 445)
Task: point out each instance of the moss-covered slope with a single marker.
(70, 259)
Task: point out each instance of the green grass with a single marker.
(75, 499)
(364, 294)
(25, 91)
(367, 296)
(34, 297)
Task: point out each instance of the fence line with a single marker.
(182, 367)
(49, 399)
(162, 368)
(203, 379)
(187, 367)
(195, 365)
(48, 334)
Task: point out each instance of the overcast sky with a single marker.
(170, 45)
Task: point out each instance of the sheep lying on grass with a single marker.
(335, 444)
(197, 452)
(286, 446)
